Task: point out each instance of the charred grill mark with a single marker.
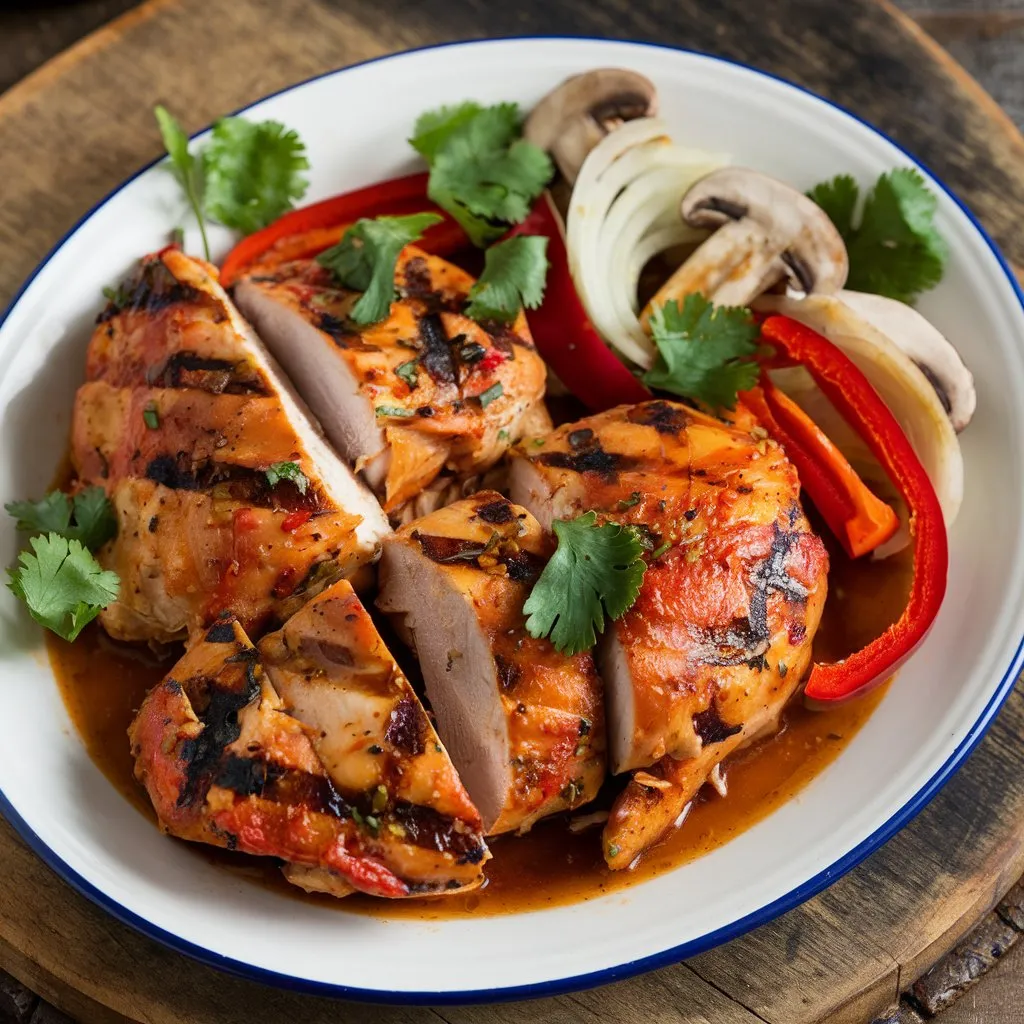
(222, 632)
(496, 512)
(218, 376)
(217, 709)
(151, 290)
(771, 576)
(736, 644)
(504, 338)
(523, 566)
(246, 776)
(437, 358)
(592, 460)
(428, 828)
(664, 417)
(407, 727)
(445, 550)
(582, 438)
(342, 332)
(509, 673)
(417, 284)
(520, 566)
(710, 728)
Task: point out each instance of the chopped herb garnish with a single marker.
(380, 799)
(703, 351)
(503, 435)
(407, 371)
(287, 471)
(481, 170)
(660, 550)
(514, 275)
(633, 499)
(594, 574)
(393, 410)
(488, 396)
(613, 850)
(895, 248)
(151, 416)
(365, 260)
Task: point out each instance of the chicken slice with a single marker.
(184, 396)
(719, 638)
(334, 674)
(185, 556)
(426, 391)
(524, 724)
(223, 764)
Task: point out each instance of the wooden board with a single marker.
(75, 128)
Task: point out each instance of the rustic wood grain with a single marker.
(85, 119)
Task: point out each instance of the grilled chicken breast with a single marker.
(333, 672)
(524, 724)
(720, 635)
(181, 418)
(426, 391)
(224, 763)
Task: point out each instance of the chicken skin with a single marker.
(227, 496)
(720, 635)
(224, 763)
(524, 724)
(427, 392)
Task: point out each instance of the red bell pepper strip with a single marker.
(562, 331)
(857, 517)
(309, 230)
(858, 402)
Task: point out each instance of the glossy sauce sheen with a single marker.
(103, 683)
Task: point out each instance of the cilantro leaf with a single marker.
(62, 584)
(481, 170)
(701, 350)
(88, 517)
(896, 249)
(838, 198)
(287, 471)
(365, 259)
(596, 571)
(407, 372)
(433, 128)
(515, 272)
(184, 166)
(253, 172)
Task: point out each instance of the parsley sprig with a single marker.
(247, 175)
(365, 259)
(514, 275)
(894, 248)
(703, 351)
(481, 169)
(59, 580)
(594, 574)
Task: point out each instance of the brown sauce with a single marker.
(103, 683)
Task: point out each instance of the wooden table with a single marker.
(888, 921)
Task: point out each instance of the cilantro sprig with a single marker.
(703, 351)
(481, 169)
(894, 248)
(59, 580)
(247, 175)
(514, 275)
(88, 517)
(365, 259)
(595, 574)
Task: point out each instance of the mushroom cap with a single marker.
(811, 250)
(573, 117)
(926, 345)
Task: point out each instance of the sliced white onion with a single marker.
(899, 382)
(624, 211)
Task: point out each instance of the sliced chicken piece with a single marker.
(334, 674)
(718, 640)
(524, 724)
(183, 395)
(223, 764)
(185, 556)
(423, 392)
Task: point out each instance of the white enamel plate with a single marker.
(355, 123)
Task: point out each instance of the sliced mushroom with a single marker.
(573, 118)
(938, 360)
(764, 231)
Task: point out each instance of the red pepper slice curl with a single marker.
(859, 404)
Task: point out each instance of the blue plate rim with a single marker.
(674, 954)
